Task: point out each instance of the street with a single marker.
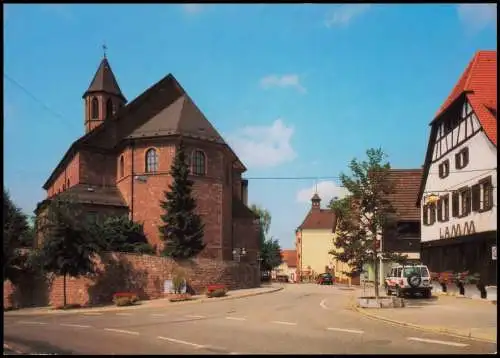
(300, 319)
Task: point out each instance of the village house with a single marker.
(458, 191)
(288, 267)
(314, 241)
(121, 165)
(402, 234)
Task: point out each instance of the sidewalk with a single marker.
(158, 303)
(457, 316)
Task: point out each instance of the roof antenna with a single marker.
(104, 48)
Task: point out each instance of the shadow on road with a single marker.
(28, 346)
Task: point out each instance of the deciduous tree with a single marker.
(270, 250)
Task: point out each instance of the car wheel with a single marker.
(428, 294)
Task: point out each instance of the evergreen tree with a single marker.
(182, 229)
(15, 232)
(68, 247)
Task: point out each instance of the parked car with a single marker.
(325, 279)
(265, 276)
(408, 280)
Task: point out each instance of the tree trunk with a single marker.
(64, 291)
(376, 276)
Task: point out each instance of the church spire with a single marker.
(104, 97)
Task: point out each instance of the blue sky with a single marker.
(298, 90)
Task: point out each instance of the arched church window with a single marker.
(199, 162)
(109, 108)
(94, 108)
(151, 161)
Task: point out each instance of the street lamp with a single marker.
(238, 253)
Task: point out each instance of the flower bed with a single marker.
(177, 297)
(460, 279)
(216, 290)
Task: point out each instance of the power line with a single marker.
(33, 97)
(338, 177)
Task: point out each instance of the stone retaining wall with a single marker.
(119, 272)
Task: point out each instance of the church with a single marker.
(121, 165)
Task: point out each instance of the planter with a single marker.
(177, 297)
(382, 302)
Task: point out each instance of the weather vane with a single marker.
(104, 48)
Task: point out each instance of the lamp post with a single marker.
(238, 253)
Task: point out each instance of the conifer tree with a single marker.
(182, 229)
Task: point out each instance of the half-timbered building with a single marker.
(457, 194)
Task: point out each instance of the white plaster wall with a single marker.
(482, 156)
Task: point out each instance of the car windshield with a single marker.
(422, 271)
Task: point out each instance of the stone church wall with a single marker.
(120, 272)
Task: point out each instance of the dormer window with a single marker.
(199, 163)
(444, 169)
(94, 108)
(462, 158)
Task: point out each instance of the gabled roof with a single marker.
(104, 81)
(406, 185)
(289, 257)
(479, 82)
(318, 219)
(478, 85)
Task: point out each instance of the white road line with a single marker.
(92, 314)
(124, 314)
(437, 342)
(194, 316)
(173, 340)
(32, 322)
(121, 331)
(158, 314)
(345, 330)
(74, 325)
(287, 323)
(237, 318)
(323, 305)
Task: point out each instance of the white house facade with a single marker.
(458, 193)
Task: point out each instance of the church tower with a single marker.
(315, 202)
(103, 97)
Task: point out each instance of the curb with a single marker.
(450, 332)
(456, 295)
(116, 309)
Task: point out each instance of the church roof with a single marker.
(163, 109)
(104, 81)
(319, 219)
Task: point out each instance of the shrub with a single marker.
(178, 283)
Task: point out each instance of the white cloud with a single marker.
(291, 80)
(327, 190)
(264, 146)
(342, 15)
(193, 8)
(476, 17)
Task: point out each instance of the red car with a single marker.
(325, 279)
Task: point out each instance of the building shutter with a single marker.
(476, 197)
(441, 170)
(454, 204)
(488, 195)
(432, 219)
(457, 161)
(425, 215)
(467, 199)
(440, 210)
(465, 157)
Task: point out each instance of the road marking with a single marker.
(237, 318)
(31, 322)
(194, 316)
(121, 331)
(287, 323)
(345, 330)
(437, 342)
(323, 305)
(173, 340)
(124, 314)
(74, 325)
(92, 314)
(158, 314)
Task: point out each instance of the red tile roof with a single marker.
(406, 188)
(290, 257)
(319, 219)
(480, 77)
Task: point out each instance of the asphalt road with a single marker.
(300, 319)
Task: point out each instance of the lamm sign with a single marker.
(466, 228)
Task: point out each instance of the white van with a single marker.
(408, 280)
